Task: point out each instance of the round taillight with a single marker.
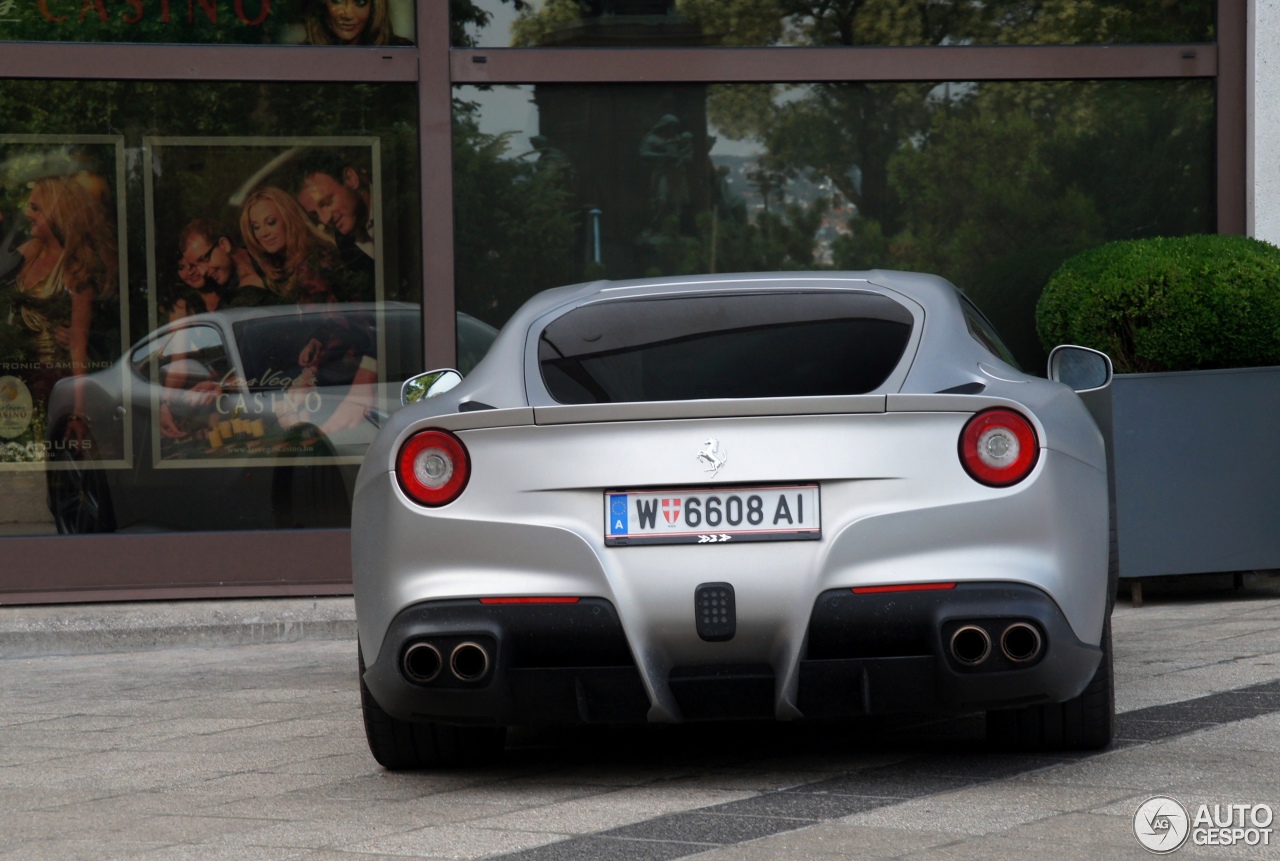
(999, 448)
(433, 467)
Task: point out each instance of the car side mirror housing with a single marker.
(1081, 368)
(428, 385)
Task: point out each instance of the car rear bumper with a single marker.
(864, 654)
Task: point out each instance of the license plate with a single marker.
(722, 515)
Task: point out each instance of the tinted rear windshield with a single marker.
(761, 345)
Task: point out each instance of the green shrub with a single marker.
(1169, 304)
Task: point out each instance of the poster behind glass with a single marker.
(266, 301)
(63, 310)
(247, 22)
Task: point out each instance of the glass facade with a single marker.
(206, 304)
(990, 185)
(766, 23)
(233, 22)
(221, 250)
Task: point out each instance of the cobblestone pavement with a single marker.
(257, 751)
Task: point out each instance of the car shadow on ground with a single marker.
(821, 746)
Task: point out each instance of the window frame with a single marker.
(317, 562)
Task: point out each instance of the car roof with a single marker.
(931, 291)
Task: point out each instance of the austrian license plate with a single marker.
(716, 516)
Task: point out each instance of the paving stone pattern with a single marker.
(257, 752)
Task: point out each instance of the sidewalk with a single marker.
(81, 629)
(258, 752)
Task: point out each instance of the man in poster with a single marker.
(227, 273)
(338, 196)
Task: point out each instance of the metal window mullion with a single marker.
(787, 65)
(435, 148)
(276, 63)
(1231, 144)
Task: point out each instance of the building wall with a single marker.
(1264, 115)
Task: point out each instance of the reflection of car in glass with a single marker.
(248, 418)
(744, 496)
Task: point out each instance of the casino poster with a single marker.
(266, 299)
(63, 299)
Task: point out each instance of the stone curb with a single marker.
(82, 629)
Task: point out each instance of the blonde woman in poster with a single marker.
(69, 262)
(350, 22)
(295, 258)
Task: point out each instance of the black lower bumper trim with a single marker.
(886, 652)
(552, 664)
(724, 692)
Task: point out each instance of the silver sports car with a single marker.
(778, 496)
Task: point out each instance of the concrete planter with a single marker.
(1196, 461)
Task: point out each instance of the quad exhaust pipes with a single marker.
(423, 662)
(1020, 643)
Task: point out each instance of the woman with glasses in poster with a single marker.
(350, 22)
(69, 264)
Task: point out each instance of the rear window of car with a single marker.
(759, 345)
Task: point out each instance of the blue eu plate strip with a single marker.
(618, 514)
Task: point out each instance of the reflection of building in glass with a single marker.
(639, 155)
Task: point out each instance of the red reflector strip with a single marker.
(539, 600)
(902, 587)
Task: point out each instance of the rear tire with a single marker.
(400, 745)
(1084, 722)
(79, 498)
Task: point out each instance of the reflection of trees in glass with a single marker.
(991, 185)
(872, 22)
(467, 14)
(994, 185)
(1010, 182)
(515, 221)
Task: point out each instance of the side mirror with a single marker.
(428, 385)
(1080, 368)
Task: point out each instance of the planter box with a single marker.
(1196, 463)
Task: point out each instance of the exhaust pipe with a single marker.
(1021, 642)
(970, 645)
(469, 661)
(422, 662)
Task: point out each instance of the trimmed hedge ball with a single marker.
(1169, 304)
